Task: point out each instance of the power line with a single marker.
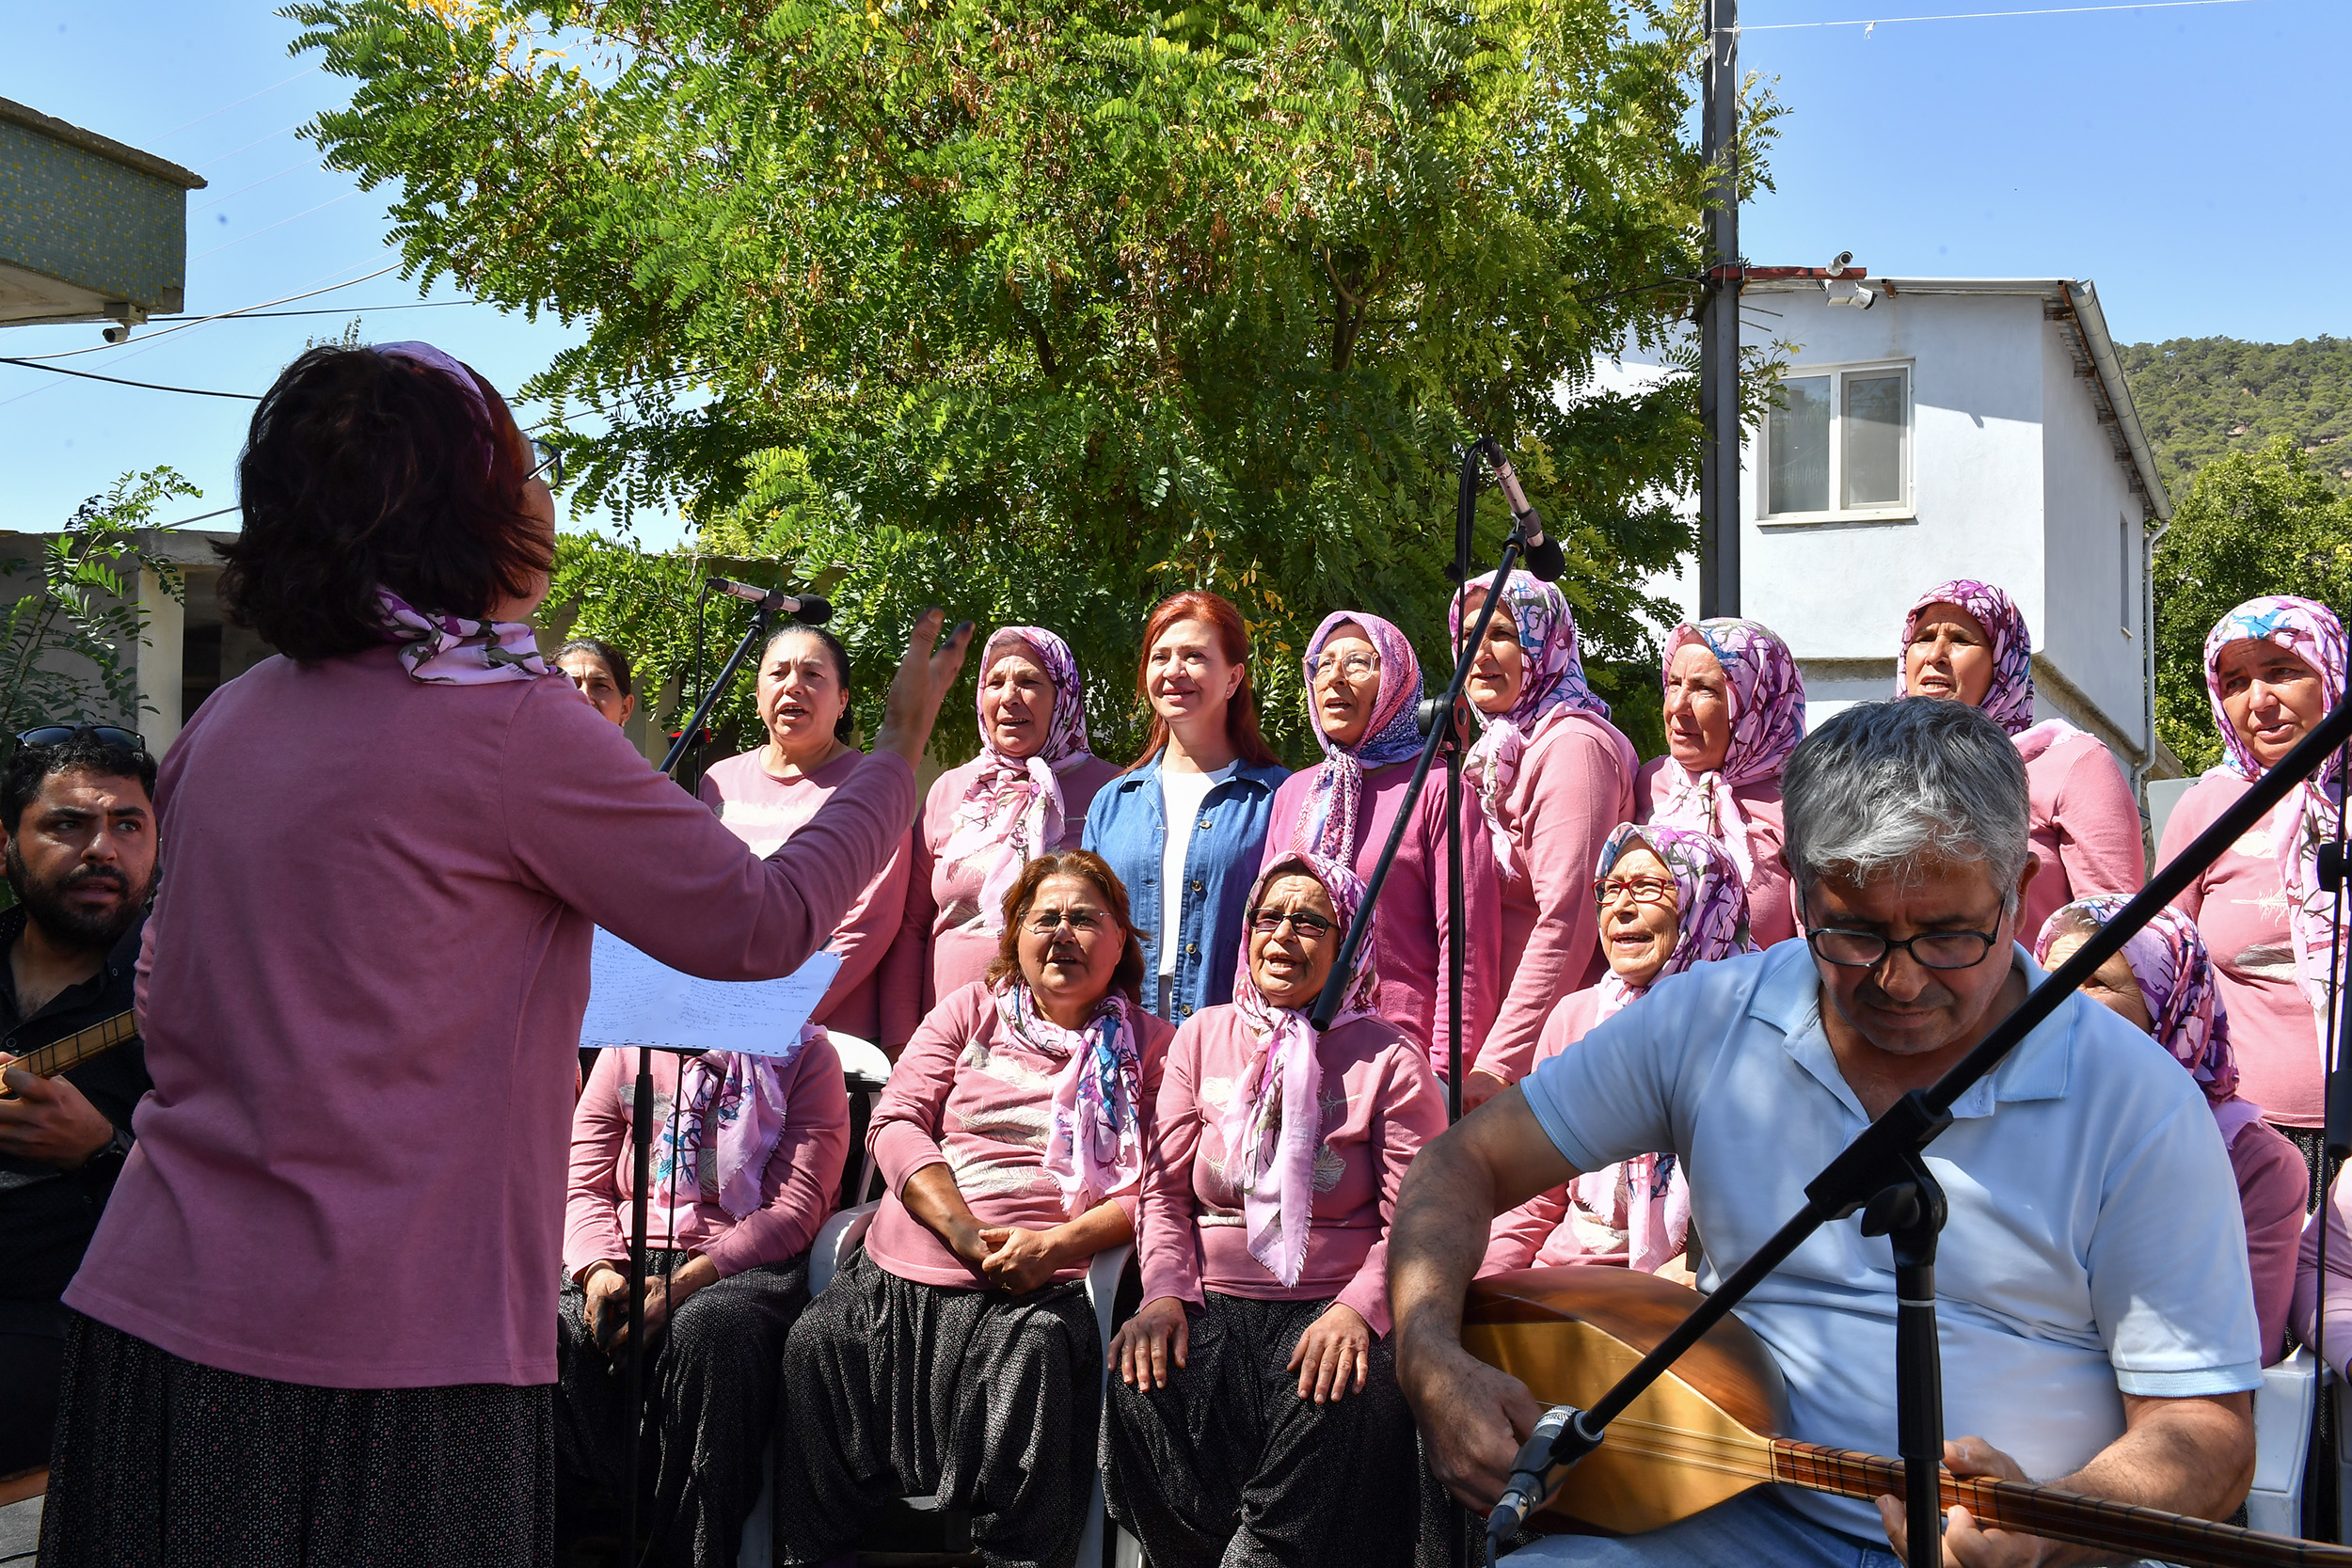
(251, 309)
(1867, 23)
(346, 311)
(279, 223)
(207, 206)
(150, 386)
(246, 99)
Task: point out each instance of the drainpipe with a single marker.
(2148, 542)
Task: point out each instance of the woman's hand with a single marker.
(1335, 1346)
(1020, 1261)
(607, 1300)
(1479, 1087)
(928, 669)
(1145, 1343)
(607, 1292)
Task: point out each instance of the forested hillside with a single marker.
(2203, 398)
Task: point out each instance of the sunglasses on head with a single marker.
(58, 735)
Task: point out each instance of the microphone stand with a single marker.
(1884, 1175)
(2335, 868)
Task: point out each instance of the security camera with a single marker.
(116, 334)
(1855, 295)
(1845, 259)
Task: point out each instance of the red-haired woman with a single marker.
(1185, 825)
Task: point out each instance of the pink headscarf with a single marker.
(1014, 805)
(2310, 631)
(1274, 1123)
(1095, 1146)
(745, 1094)
(1554, 684)
(2009, 701)
(1767, 701)
(1326, 824)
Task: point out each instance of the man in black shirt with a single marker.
(79, 829)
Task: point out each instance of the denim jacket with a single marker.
(1127, 827)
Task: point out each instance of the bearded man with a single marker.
(79, 832)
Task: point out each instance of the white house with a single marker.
(1938, 428)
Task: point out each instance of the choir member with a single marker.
(603, 673)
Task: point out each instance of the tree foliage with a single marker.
(2203, 398)
(1043, 311)
(2253, 523)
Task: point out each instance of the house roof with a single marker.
(2073, 307)
(12, 113)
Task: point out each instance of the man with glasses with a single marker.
(2095, 1312)
(79, 834)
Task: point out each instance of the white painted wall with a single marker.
(2089, 512)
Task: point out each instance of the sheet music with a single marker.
(637, 1000)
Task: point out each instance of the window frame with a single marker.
(1903, 510)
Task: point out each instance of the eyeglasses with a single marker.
(1046, 921)
(1930, 949)
(58, 735)
(1354, 666)
(1642, 890)
(1310, 925)
(550, 461)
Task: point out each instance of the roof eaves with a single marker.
(14, 113)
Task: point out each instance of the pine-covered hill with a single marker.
(2202, 398)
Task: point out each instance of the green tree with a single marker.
(2253, 523)
(1043, 311)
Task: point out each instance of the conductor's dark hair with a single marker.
(845, 727)
(615, 661)
(31, 767)
(1005, 968)
(364, 471)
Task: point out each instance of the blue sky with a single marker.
(2183, 158)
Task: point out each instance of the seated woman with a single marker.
(767, 793)
(1669, 898)
(956, 1356)
(2164, 982)
(744, 1174)
(2332, 1339)
(1256, 1416)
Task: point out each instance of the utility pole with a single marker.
(1719, 324)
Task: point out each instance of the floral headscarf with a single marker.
(450, 650)
(1014, 805)
(2310, 631)
(1767, 701)
(1555, 683)
(2175, 974)
(1711, 921)
(1095, 1144)
(1326, 824)
(745, 1095)
(2009, 701)
(1274, 1123)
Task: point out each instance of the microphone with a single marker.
(1544, 558)
(1537, 1458)
(807, 608)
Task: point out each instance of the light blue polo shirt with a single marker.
(2095, 1242)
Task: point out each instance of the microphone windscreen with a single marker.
(1546, 562)
(814, 612)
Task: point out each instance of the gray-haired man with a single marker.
(2097, 1321)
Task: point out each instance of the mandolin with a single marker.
(1706, 1433)
(60, 1055)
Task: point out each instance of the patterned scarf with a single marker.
(1013, 806)
(1554, 684)
(2009, 701)
(1326, 825)
(2311, 633)
(458, 375)
(1095, 1148)
(1711, 920)
(1767, 701)
(2175, 976)
(450, 650)
(1274, 1123)
(744, 1095)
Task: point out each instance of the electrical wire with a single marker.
(343, 310)
(1868, 22)
(185, 323)
(279, 223)
(251, 145)
(246, 99)
(207, 206)
(147, 386)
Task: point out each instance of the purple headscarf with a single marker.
(1326, 823)
(1014, 805)
(1554, 684)
(1095, 1144)
(744, 1095)
(1767, 700)
(2175, 976)
(1274, 1123)
(2310, 631)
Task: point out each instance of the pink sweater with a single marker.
(763, 811)
(941, 946)
(2241, 913)
(1543, 1232)
(1410, 921)
(363, 987)
(2084, 827)
(2338, 1341)
(1574, 786)
(797, 1190)
(968, 1095)
(1380, 1104)
(2273, 1183)
(1772, 889)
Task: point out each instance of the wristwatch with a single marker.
(114, 1149)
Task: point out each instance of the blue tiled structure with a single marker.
(89, 228)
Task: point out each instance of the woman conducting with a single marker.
(1966, 642)
(1254, 1414)
(2273, 669)
(1185, 825)
(766, 794)
(1734, 710)
(1026, 795)
(956, 1356)
(1552, 777)
(1669, 898)
(327, 1261)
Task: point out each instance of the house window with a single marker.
(1837, 444)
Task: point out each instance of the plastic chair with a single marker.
(2283, 1406)
(866, 1070)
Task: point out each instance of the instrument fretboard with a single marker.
(47, 1061)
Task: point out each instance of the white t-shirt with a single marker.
(1180, 795)
(2095, 1245)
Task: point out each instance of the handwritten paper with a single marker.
(637, 1000)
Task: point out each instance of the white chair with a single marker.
(2283, 1407)
(866, 1070)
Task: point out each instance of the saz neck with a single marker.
(47, 1061)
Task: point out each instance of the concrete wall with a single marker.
(2092, 601)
